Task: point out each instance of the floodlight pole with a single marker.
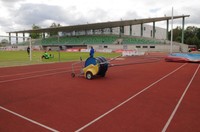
(171, 31)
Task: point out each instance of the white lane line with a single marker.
(32, 121)
(179, 102)
(32, 72)
(116, 107)
(23, 78)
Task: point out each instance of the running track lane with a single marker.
(150, 110)
(60, 86)
(67, 104)
(20, 123)
(187, 117)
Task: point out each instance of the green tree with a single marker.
(198, 33)
(35, 35)
(190, 31)
(196, 41)
(176, 34)
(178, 39)
(189, 41)
(54, 33)
(191, 35)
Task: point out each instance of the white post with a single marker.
(171, 32)
(30, 55)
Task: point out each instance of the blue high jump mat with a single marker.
(183, 57)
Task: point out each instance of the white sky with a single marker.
(22, 14)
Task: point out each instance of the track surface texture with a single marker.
(137, 94)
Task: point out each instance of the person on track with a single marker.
(28, 50)
(92, 52)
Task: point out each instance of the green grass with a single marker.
(17, 58)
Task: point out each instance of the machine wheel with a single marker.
(89, 75)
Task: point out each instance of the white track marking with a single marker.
(116, 107)
(179, 102)
(23, 78)
(25, 118)
(32, 72)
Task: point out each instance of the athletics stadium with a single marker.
(140, 34)
(137, 94)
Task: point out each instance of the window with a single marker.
(144, 46)
(138, 46)
(152, 47)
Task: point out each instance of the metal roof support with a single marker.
(130, 30)
(93, 32)
(183, 23)
(120, 31)
(43, 35)
(154, 29)
(23, 37)
(142, 29)
(16, 38)
(111, 30)
(102, 31)
(9, 38)
(167, 36)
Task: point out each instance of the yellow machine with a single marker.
(91, 71)
(93, 67)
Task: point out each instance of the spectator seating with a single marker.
(96, 39)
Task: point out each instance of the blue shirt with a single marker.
(91, 52)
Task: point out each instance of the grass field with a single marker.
(17, 58)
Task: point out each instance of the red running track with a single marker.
(159, 96)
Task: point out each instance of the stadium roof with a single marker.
(102, 25)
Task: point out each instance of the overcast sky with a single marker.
(22, 14)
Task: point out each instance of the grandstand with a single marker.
(125, 35)
(96, 39)
(79, 40)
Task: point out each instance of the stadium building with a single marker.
(109, 36)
